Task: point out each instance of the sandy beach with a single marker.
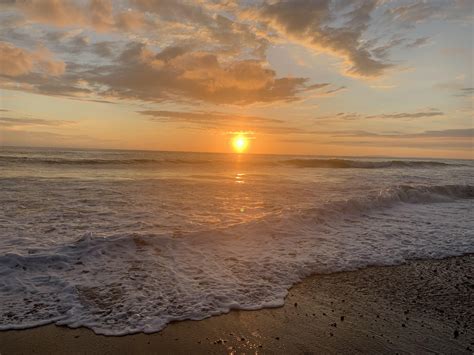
(420, 307)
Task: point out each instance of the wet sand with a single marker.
(420, 307)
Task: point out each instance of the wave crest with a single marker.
(359, 164)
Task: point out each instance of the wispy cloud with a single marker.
(19, 122)
(419, 42)
(225, 122)
(12, 137)
(465, 92)
(421, 11)
(447, 133)
(351, 116)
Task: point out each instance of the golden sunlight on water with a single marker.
(239, 178)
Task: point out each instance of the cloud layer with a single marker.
(16, 61)
(189, 51)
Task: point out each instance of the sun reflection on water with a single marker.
(239, 178)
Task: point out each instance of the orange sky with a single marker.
(391, 78)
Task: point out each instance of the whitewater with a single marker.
(129, 241)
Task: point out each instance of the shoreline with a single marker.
(422, 306)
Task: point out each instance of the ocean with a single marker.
(129, 241)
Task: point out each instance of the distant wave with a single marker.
(359, 164)
(251, 161)
(79, 161)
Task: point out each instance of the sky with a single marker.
(325, 77)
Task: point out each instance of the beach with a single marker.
(217, 253)
(419, 307)
(236, 177)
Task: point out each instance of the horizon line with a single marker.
(232, 153)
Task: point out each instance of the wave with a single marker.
(140, 282)
(250, 161)
(359, 164)
(389, 197)
(83, 161)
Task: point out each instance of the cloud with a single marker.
(172, 21)
(333, 91)
(421, 11)
(224, 121)
(177, 73)
(204, 117)
(447, 133)
(419, 42)
(192, 51)
(314, 24)
(466, 92)
(176, 11)
(19, 122)
(25, 138)
(56, 12)
(350, 116)
(448, 139)
(96, 14)
(16, 61)
(419, 144)
(130, 20)
(408, 115)
(103, 49)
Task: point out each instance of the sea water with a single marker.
(128, 241)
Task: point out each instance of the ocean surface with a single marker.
(128, 241)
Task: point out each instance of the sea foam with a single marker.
(133, 282)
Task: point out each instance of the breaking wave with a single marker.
(250, 161)
(359, 164)
(79, 161)
(139, 282)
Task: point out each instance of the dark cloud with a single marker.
(315, 23)
(409, 115)
(447, 133)
(418, 42)
(333, 91)
(104, 49)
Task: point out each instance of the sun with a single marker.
(240, 143)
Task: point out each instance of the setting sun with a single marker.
(166, 161)
(240, 143)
